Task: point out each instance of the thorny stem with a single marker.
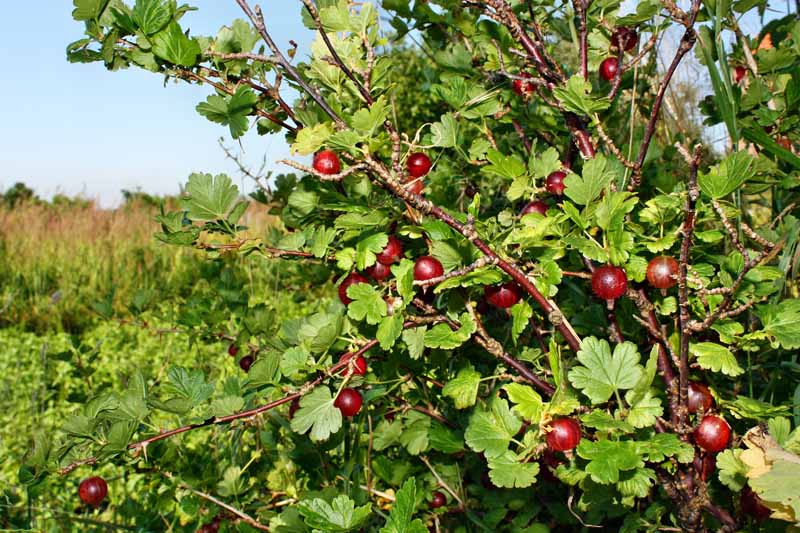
(693, 193)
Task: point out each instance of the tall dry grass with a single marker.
(57, 260)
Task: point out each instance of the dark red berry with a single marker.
(609, 68)
(233, 350)
(427, 267)
(352, 279)
(93, 490)
(713, 434)
(392, 253)
(438, 500)
(293, 407)
(246, 362)
(784, 142)
(662, 272)
(209, 528)
(502, 296)
(627, 37)
(536, 206)
(348, 402)
(327, 162)
(415, 185)
(699, 398)
(418, 164)
(739, 73)
(555, 183)
(609, 282)
(521, 87)
(564, 435)
(752, 505)
(360, 367)
(379, 271)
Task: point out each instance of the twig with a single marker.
(480, 262)
(244, 517)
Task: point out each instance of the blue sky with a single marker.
(78, 128)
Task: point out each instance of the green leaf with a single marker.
(232, 111)
(151, 15)
(311, 139)
(445, 133)
(88, 9)
(389, 330)
(781, 323)
(603, 421)
(463, 389)
(732, 470)
(528, 402)
(367, 248)
(608, 458)
(405, 503)
(415, 432)
(508, 471)
(480, 276)
(367, 303)
(209, 197)
(441, 336)
(521, 313)
(404, 274)
(226, 406)
(727, 176)
(318, 414)
(491, 430)
(636, 483)
(189, 384)
(602, 373)
(505, 166)
(577, 97)
(780, 484)
(663, 445)
(415, 341)
(173, 46)
(712, 356)
(596, 176)
(366, 121)
(232, 483)
(643, 412)
(339, 515)
(335, 18)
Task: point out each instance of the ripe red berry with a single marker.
(609, 68)
(522, 87)
(293, 407)
(352, 279)
(327, 162)
(564, 435)
(246, 362)
(502, 296)
(555, 183)
(348, 402)
(609, 282)
(360, 367)
(93, 490)
(784, 142)
(752, 505)
(705, 464)
(418, 164)
(415, 185)
(427, 267)
(536, 206)
(379, 271)
(393, 251)
(626, 36)
(233, 350)
(739, 73)
(699, 398)
(438, 500)
(713, 434)
(662, 272)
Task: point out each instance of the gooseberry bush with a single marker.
(559, 305)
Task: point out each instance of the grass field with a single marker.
(56, 264)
